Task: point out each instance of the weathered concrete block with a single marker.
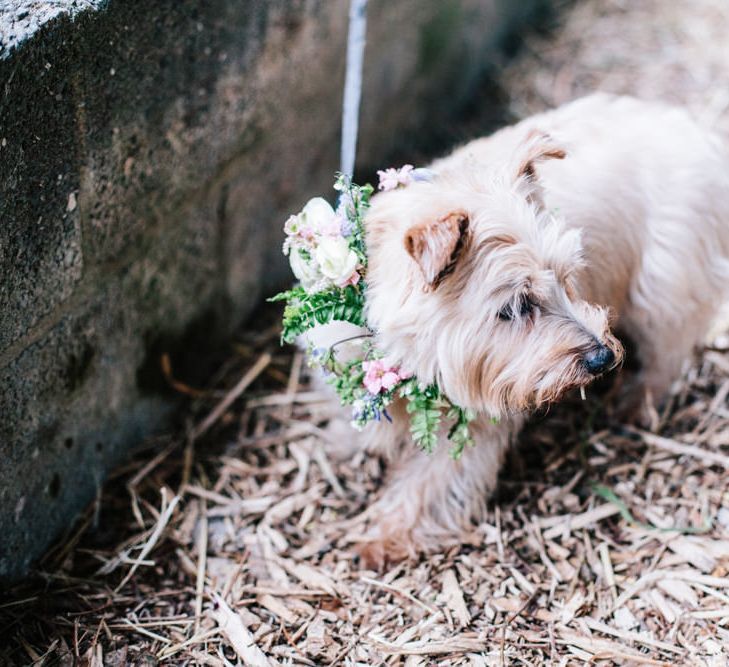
(40, 238)
(52, 391)
(148, 154)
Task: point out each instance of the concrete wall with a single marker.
(149, 152)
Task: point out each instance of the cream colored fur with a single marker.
(606, 214)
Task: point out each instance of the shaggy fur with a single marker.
(502, 278)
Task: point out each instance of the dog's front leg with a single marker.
(431, 499)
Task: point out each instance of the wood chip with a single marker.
(238, 635)
(454, 597)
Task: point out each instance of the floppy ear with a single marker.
(435, 246)
(538, 147)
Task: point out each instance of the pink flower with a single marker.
(306, 233)
(379, 376)
(352, 280)
(393, 178)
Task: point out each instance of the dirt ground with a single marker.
(230, 541)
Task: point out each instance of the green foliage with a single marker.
(304, 311)
(460, 433)
(355, 200)
(425, 405)
(346, 379)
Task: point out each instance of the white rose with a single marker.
(306, 271)
(320, 217)
(336, 260)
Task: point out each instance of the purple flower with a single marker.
(346, 227)
(345, 206)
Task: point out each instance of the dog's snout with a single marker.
(599, 359)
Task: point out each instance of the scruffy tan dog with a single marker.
(501, 278)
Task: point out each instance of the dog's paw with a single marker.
(382, 553)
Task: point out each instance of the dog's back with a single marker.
(649, 189)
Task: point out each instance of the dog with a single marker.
(503, 277)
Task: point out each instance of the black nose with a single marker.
(599, 359)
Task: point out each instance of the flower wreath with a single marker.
(327, 252)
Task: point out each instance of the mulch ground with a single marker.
(231, 541)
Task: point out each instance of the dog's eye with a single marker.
(524, 307)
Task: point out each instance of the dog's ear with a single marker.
(538, 147)
(436, 245)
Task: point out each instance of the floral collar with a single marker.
(327, 252)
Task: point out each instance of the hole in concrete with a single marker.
(68, 443)
(98, 447)
(54, 488)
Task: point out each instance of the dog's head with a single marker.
(474, 285)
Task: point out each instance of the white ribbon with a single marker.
(353, 83)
